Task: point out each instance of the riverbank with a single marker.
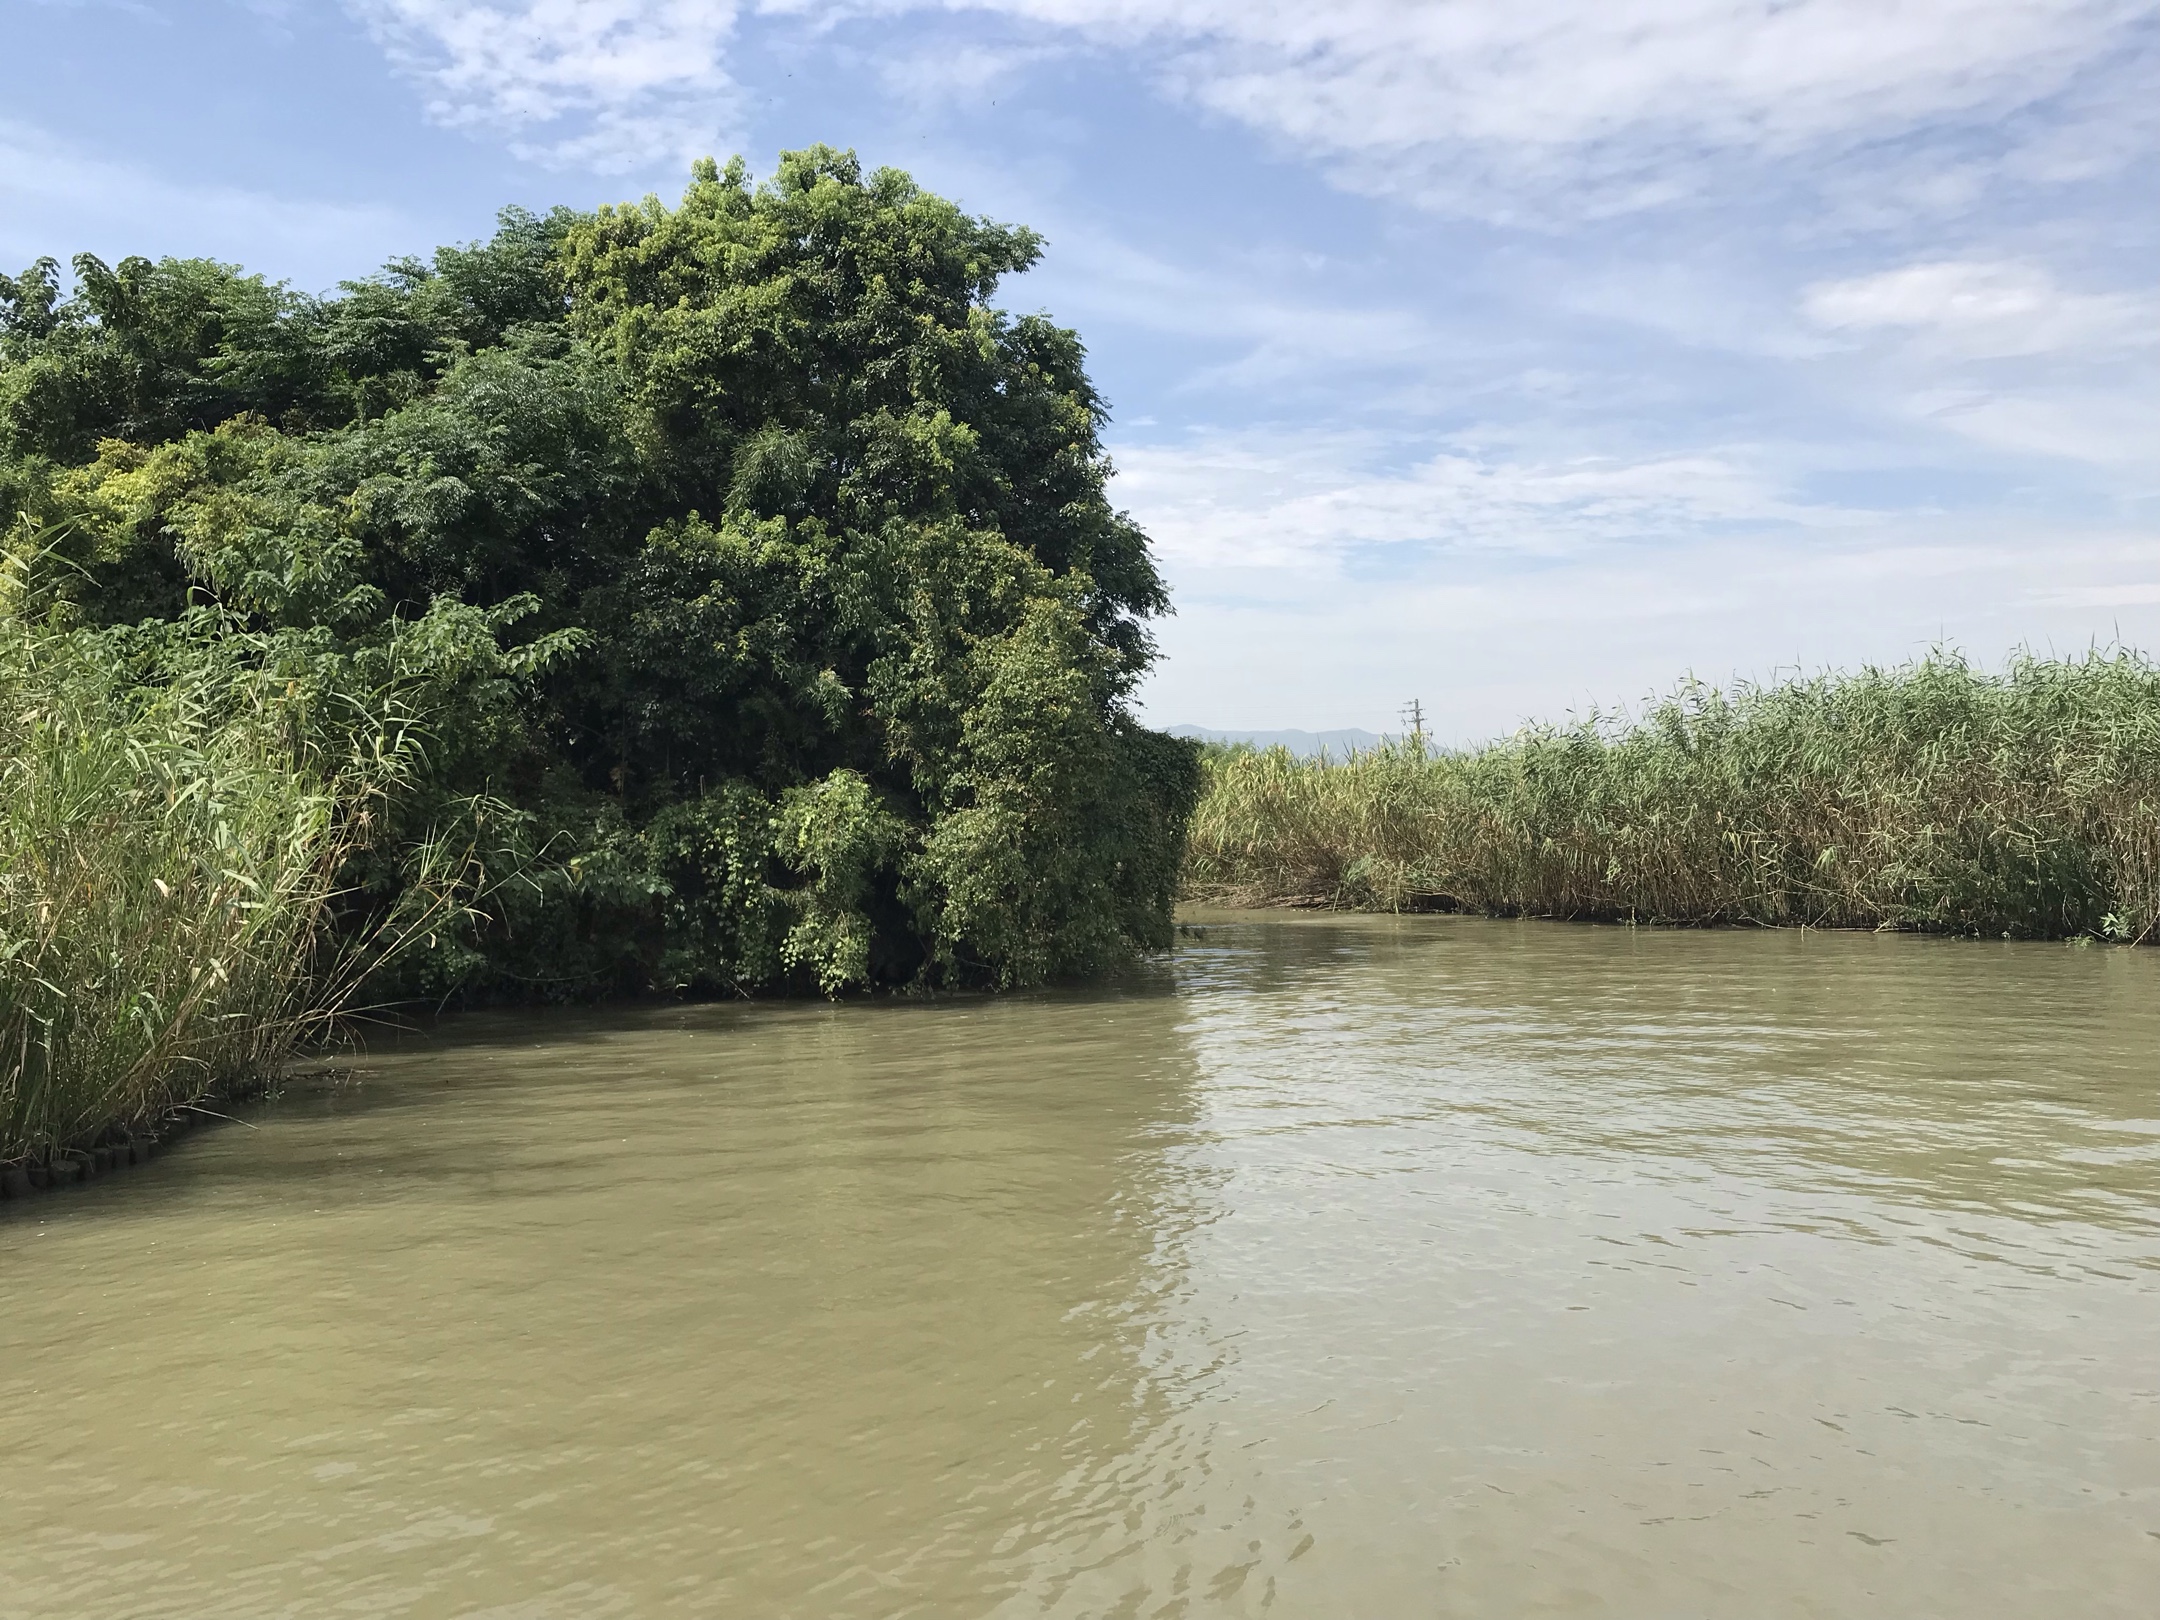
(1935, 796)
(168, 861)
(121, 1148)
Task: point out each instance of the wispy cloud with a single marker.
(1554, 105)
(1276, 499)
(2101, 427)
(2003, 354)
(600, 85)
(1503, 110)
(1983, 310)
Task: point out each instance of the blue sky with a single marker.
(1515, 355)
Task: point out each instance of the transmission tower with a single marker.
(1413, 714)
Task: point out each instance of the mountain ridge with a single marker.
(1304, 744)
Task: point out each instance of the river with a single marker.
(1355, 1267)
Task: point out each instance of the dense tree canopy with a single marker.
(749, 575)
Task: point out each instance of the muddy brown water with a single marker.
(1340, 1267)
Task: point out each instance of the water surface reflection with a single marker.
(1348, 1266)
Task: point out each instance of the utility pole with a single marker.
(1413, 714)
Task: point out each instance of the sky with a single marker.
(1522, 357)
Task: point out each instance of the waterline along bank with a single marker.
(750, 610)
(168, 864)
(1935, 796)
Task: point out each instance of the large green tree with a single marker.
(751, 575)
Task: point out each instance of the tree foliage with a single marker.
(770, 621)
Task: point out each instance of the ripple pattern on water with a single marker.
(1346, 1266)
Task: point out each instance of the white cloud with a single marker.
(1981, 309)
(1498, 108)
(1314, 501)
(1556, 92)
(2002, 354)
(1534, 107)
(2099, 427)
(635, 81)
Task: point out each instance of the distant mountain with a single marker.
(1302, 743)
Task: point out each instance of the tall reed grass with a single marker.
(168, 858)
(1933, 796)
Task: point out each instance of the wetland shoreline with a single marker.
(1935, 798)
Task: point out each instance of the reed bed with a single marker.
(1934, 796)
(168, 858)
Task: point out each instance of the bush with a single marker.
(751, 573)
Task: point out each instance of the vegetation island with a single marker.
(726, 599)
